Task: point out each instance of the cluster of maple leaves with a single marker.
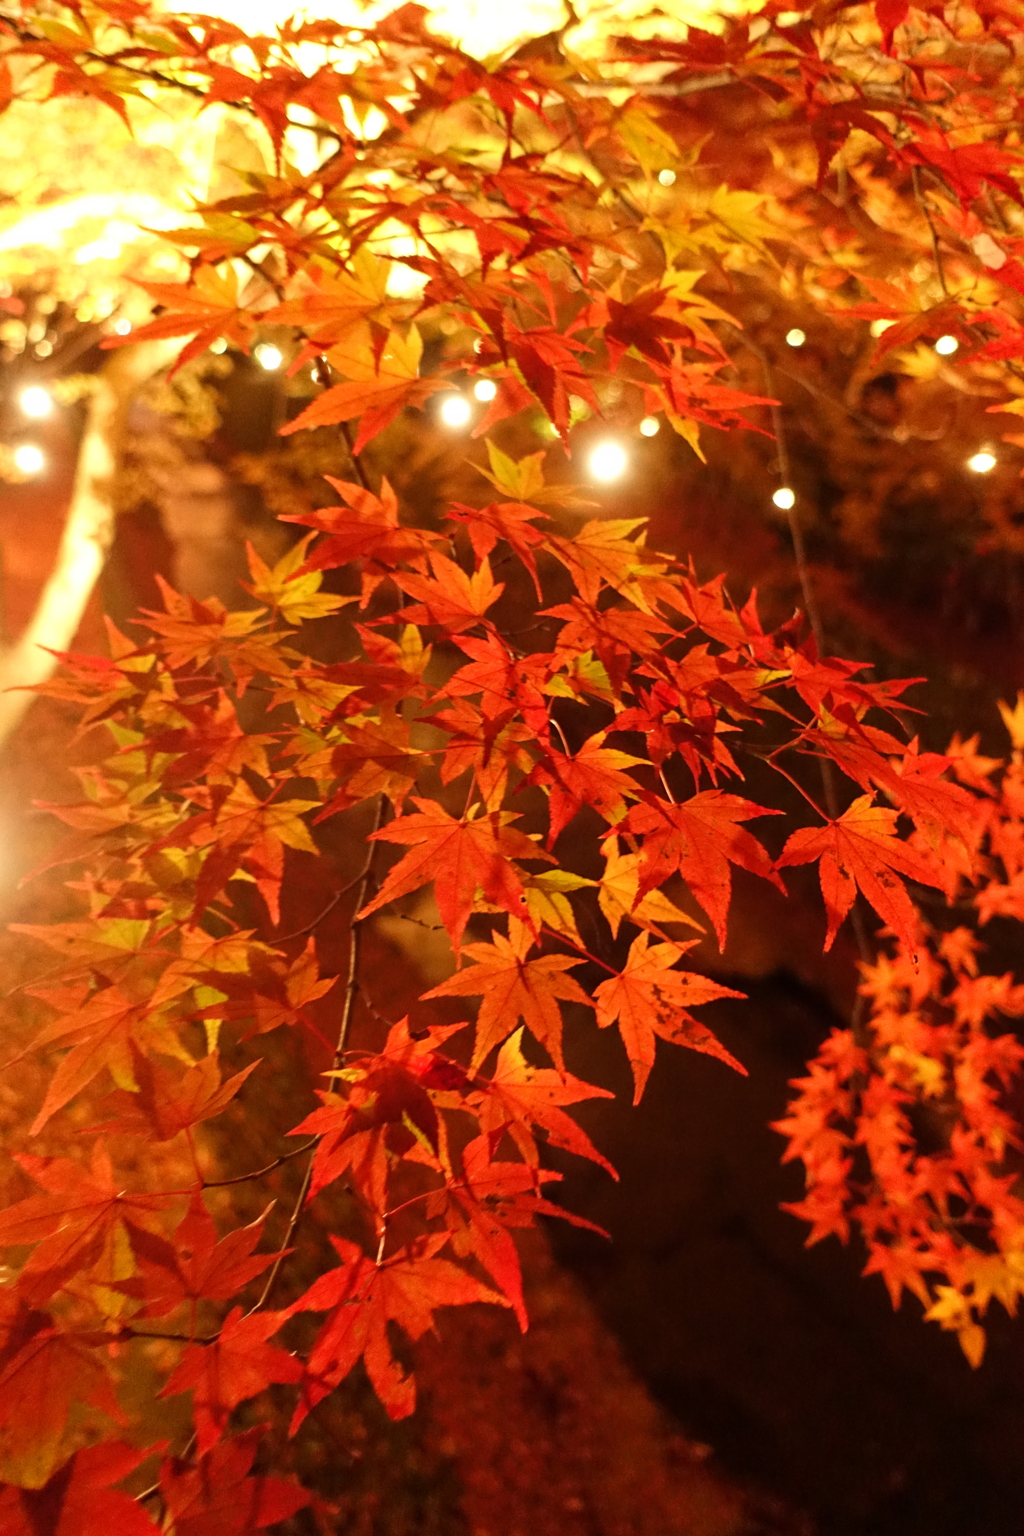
(573, 775)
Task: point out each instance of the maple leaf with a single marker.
(219, 1498)
(78, 1499)
(699, 839)
(647, 324)
(103, 1031)
(507, 684)
(522, 1099)
(523, 479)
(40, 1382)
(603, 555)
(207, 307)
(592, 776)
(335, 307)
(452, 599)
(388, 1106)
(361, 1298)
(513, 988)
(212, 748)
(508, 520)
(375, 388)
(196, 633)
(164, 1103)
(69, 1223)
(649, 998)
(460, 857)
(237, 1365)
(618, 889)
(489, 1198)
(364, 527)
(860, 851)
(288, 589)
(196, 1265)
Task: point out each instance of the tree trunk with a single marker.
(88, 531)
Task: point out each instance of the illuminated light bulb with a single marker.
(43, 348)
(784, 498)
(220, 345)
(455, 411)
(485, 389)
(35, 401)
(29, 459)
(982, 461)
(269, 357)
(608, 461)
(667, 178)
(796, 337)
(122, 327)
(946, 346)
(879, 327)
(650, 426)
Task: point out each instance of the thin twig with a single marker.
(316, 921)
(351, 987)
(259, 1173)
(322, 376)
(916, 180)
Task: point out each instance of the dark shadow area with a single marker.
(788, 1363)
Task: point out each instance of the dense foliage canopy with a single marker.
(534, 712)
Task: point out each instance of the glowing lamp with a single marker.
(946, 346)
(608, 461)
(879, 327)
(220, 345)
(269, 357)
(35, 401)
(650, 426)
(485, 389)
(667, 178)
(784, 498)
(455, 411)
(29, 459)
(796, 337)
(982, 461)
(122, 327)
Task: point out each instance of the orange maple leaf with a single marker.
(592, 776)
(451, 598)
(514, 988)
(861, 851)
(460, 857)
(523, 1099)
(649, 998)
(376, 387)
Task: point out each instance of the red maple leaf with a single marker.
(237, 1365)
(699, 839)
(69, 1223)
(219, 1498)
(592, 776)
(361, 1298)
(196, 1265)
(78, 1499)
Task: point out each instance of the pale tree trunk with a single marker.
(88, 530)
